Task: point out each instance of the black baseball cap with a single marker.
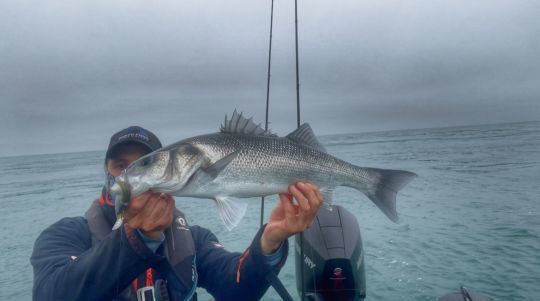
(133, 134)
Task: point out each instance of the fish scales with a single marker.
(245, 161)
(269, 159)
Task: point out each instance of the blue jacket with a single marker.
(67, 266)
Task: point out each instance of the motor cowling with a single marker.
(332, 264)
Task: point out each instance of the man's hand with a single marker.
(288, 217)
(151, 213)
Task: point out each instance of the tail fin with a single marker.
(383, 187)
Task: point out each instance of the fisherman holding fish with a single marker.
(153, 254)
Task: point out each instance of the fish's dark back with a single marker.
(272, 157)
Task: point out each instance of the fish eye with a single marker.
(146, 161)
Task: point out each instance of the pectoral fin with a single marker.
(209, 173)
(215, 169)
(230, 211)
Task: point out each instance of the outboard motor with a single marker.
(332, 264)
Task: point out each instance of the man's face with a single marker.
(123, 156)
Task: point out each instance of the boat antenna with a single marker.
(268, 89)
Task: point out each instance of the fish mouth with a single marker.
(122, 194)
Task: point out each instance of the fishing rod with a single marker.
(268, 89)
(297, 68)
(301, 235)
(272, 277)
(331, 275)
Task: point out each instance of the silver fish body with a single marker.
(244, 161)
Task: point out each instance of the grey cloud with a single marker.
(75, 72)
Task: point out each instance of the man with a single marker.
(155, 255)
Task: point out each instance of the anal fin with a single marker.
(328, 197)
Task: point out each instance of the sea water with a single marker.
(472, 216)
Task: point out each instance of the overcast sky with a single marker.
(73, 72)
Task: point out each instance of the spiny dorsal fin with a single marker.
(238, 124)
(304, 134)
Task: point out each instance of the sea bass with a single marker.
(243, 160)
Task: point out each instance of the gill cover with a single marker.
(148, 171)
(186, 161)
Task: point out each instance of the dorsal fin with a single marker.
(238, 124)
(304, 134)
